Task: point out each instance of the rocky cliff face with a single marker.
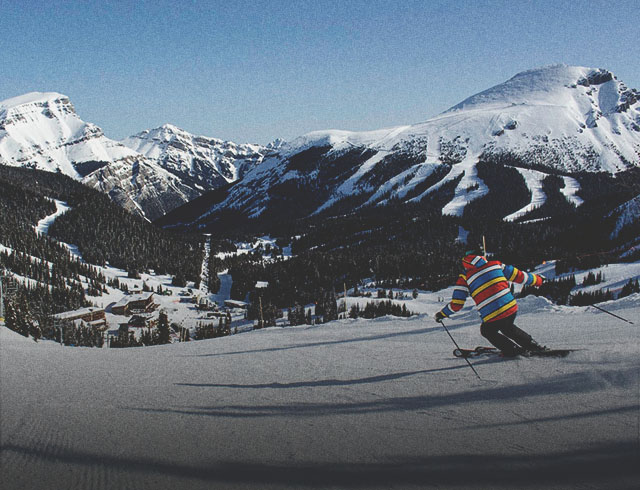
(200, 162)
(42, 130)
(164, 169)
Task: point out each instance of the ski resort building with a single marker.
(134, 303)
(143, 320)
(92, 316)
(232, 303)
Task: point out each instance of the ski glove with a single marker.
(439, 316)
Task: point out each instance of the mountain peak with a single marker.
(34, 98)
(168, 128)
(203, 162)
(547, 84)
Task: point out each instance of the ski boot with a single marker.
(535, 347)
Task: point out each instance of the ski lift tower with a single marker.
(260, 285)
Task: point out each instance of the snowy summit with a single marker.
(556, 120)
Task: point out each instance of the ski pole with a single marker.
(458, 347)
(613, 314)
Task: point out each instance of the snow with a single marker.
(339, 139)
(533, 179)
(462, 235)
(539, 84)
(30, 98)
(43, 225)
(463, 195)
(543, 115)
(43, 129)
(608, 97)
(353, 403)
(198, 156)
(615, 277)
(347, 187)
(570, 190)
(628, 213)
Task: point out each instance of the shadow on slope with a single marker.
(597, 466)
(322, 382)
(333, 342)
(575, 383)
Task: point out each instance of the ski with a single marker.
(478, 351)
(548, 353)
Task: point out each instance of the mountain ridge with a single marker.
(42, 130)
(557, 119)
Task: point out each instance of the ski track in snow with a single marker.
(454, 173)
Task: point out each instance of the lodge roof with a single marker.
(66, 315)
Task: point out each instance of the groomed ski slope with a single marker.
(45, 223)
(351, 404)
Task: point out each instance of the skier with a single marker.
(488, 285)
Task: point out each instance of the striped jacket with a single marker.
(488, 285)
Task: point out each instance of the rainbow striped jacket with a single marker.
(488, 285)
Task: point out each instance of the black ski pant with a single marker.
(506, 336)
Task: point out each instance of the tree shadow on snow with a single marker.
(323, 382)
(574, 383)
(421, 331)
(596, 466)
(316, 344)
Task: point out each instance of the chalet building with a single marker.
(205, 304)
(92, 316)
(232, 303)
(216, 314)
(142, 321)
(134, 303)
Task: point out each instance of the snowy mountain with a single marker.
(555, 120)
(204, 163)
(560, 120)
(626, 214)
(42, 130)
(165, 168)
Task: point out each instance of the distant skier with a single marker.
(488, 285)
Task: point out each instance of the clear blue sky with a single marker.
(252, 71)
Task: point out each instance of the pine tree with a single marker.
(354, 312)
(11, 317)
(164, 335)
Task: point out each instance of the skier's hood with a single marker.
(471, 261)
